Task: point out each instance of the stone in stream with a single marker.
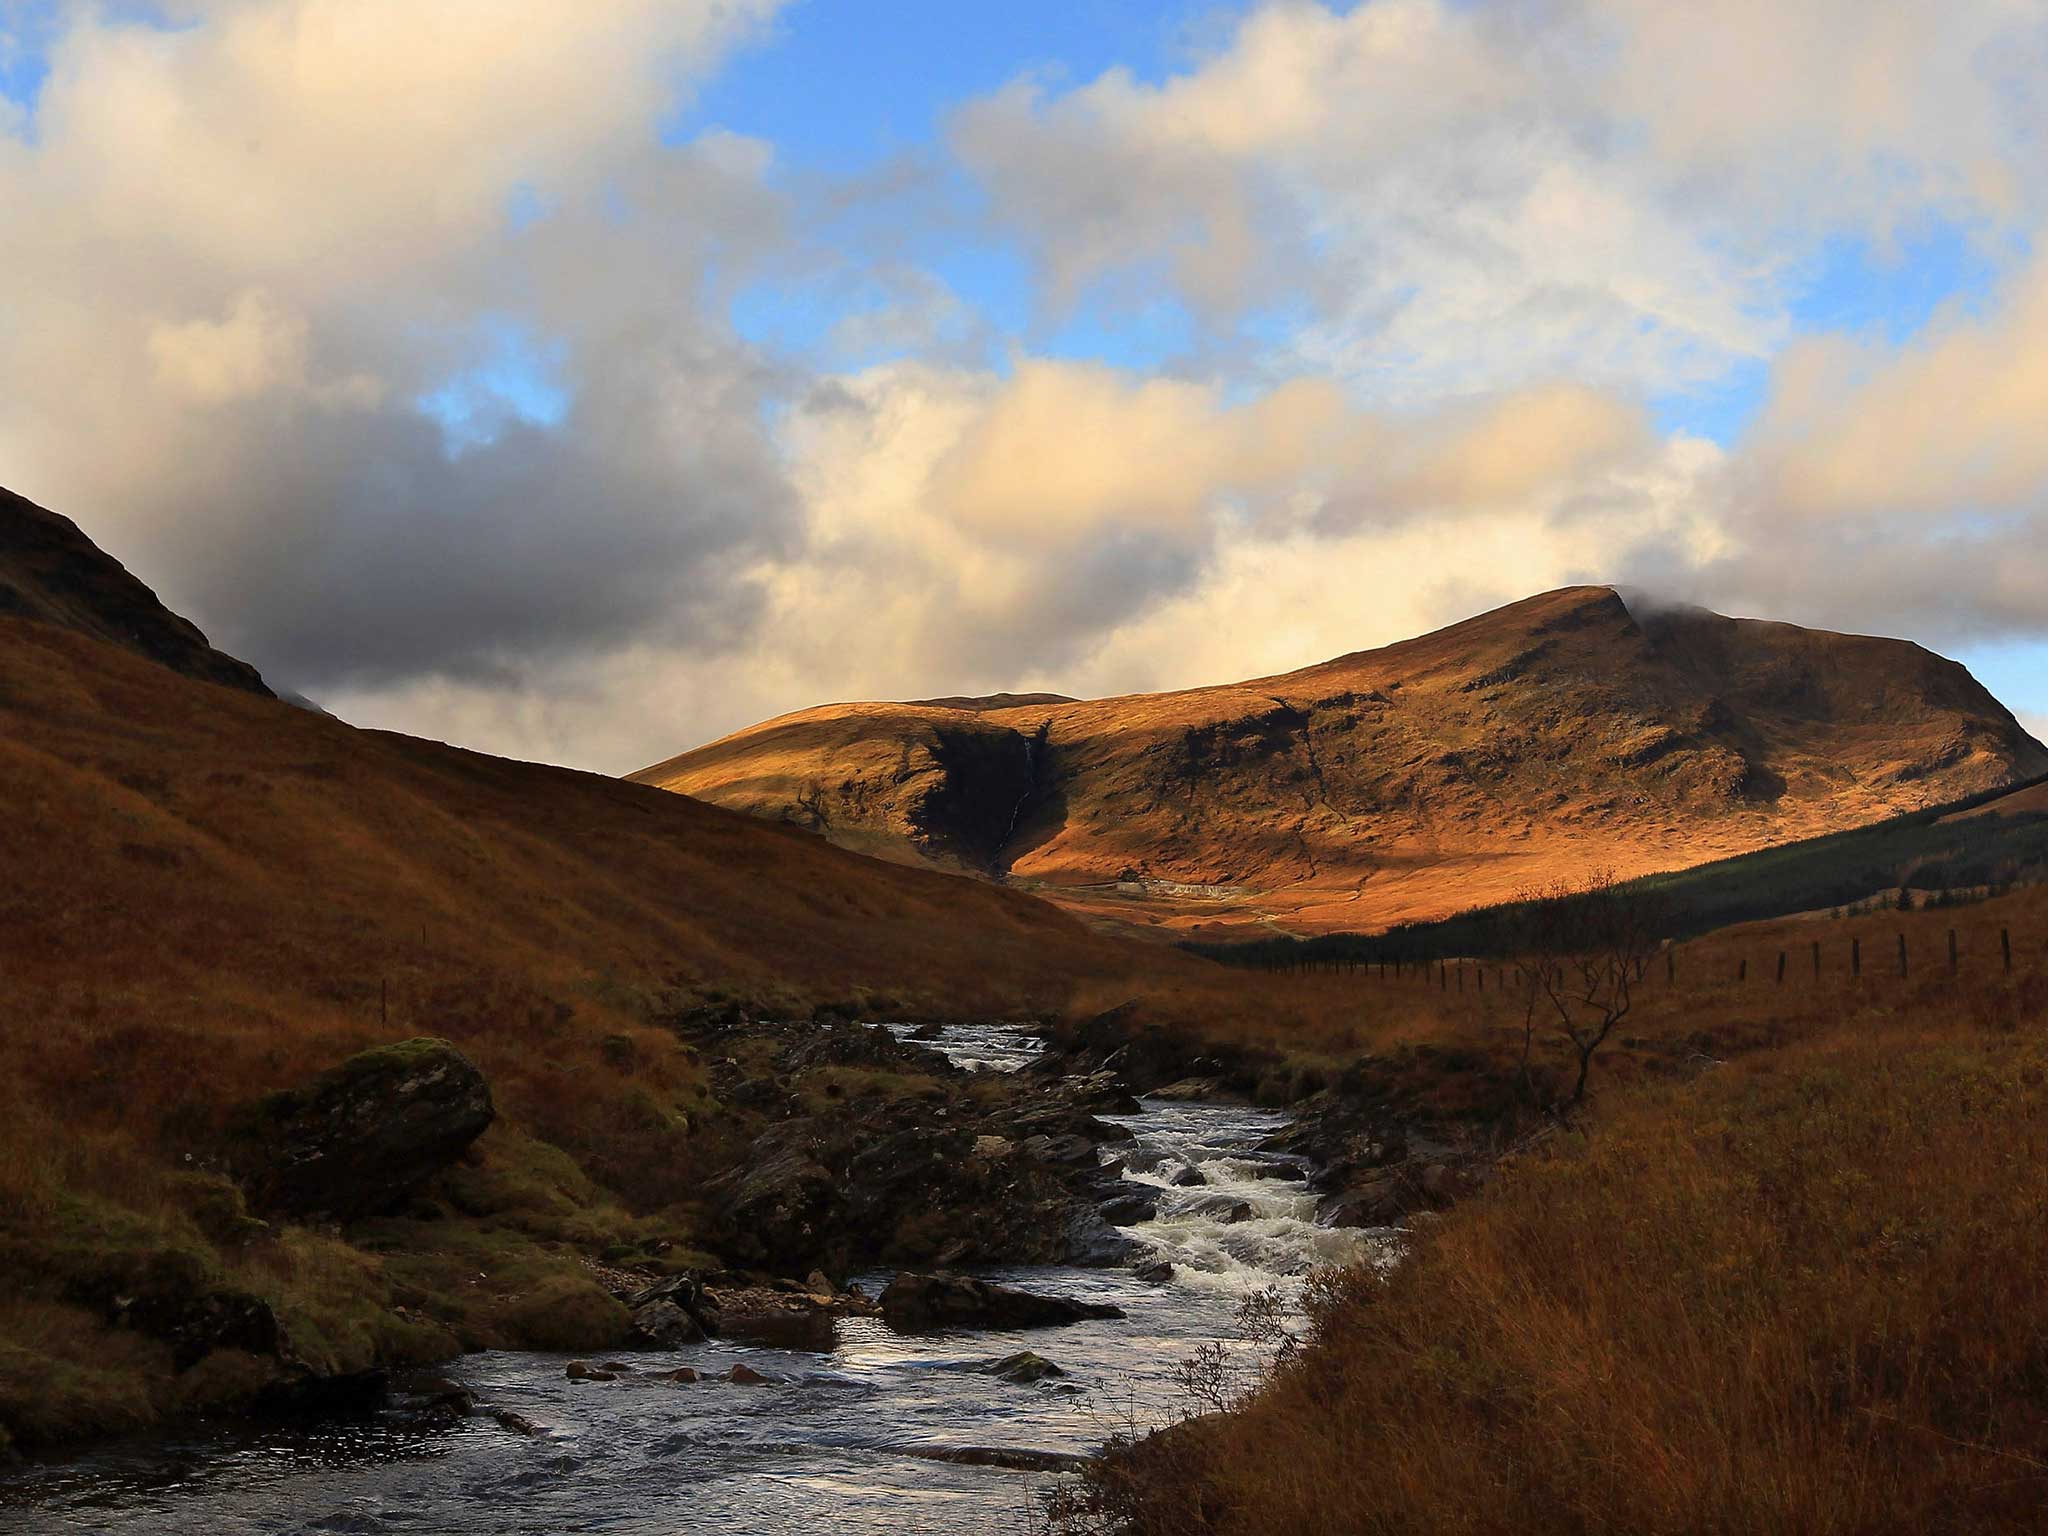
(1129, 1210)
(1022, 1368)
(915, 1301)
(664, 1325)
(436, 1398)
(583, 1370)
(1092, 1242)
(1158, 1272)
(747, 1376)
(1190, 1177)
(1012, 1458)
(1222, 1208)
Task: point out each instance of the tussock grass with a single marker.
(1798, 1290)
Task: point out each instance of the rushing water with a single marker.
(830, 1446)
(979, 1047)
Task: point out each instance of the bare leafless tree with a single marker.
(1586, 948)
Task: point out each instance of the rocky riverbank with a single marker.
(825, 1147)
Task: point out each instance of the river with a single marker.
(833, 1444)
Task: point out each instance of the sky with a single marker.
(584, 379)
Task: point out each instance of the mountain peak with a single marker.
(1555, 733)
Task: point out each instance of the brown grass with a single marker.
(1796, 1291)
(211, 895)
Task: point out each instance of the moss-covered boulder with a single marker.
(357, 1140)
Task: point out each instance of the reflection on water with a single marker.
(826, 1447)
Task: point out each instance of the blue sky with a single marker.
(1303, 327)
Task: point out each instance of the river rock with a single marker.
(916, 1301)
(1022, 1368)
(357, 1140)
(1190, 1177)
(1145, 1055)
(583, 1370)
(1128, 1210)
(1158, 1272)
(1376, 1202)
(664, 1325)
(437, 1398)
(1012, 1458)
(747, 1376)
(1068, 1147)
(1092, 1243)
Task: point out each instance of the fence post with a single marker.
(384, 1001)
(1856, 957)
(1952, 957)
(1742, 969)
(1781, 967)
(1461, 976)
(1443, 977)
(1670, 967)
(1902, 957)
(1816, 959)
(2005, 943)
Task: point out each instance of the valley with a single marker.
(685, 1154)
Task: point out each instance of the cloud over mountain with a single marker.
(407, 346)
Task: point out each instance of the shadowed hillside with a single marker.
(51, 571)
(1403, 783)
(212, 896)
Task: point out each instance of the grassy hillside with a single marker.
(1522, 746)
(210, 895)
(1787, 1281)
(1989, 841)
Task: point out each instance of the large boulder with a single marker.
(915, 1302)
(357, 1140)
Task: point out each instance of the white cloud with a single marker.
(1477, 196)
(1472, 240)
(255, 239)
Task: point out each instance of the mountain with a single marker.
(1554, 735)
(51, 571)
